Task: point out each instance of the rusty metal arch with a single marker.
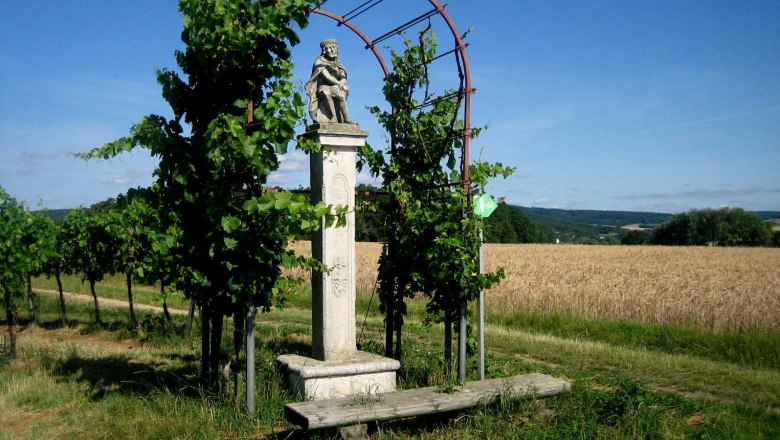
(342, 21)
(460, 47)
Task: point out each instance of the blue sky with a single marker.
(621, 105)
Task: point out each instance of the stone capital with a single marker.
(337, 135)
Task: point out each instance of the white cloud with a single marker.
(117, 180)
(133, 175)
(46, 141)
(280, 179)
(538, 122)
(368, 179)
(703, 193)
(722, 117)
(294, 161)
(665, 207)
(543, 201)
(40, 155)
(108, 92)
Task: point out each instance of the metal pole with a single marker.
(462, 341)
(250, 360)
(481, 313)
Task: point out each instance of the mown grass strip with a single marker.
(752, 348)
(678, 372)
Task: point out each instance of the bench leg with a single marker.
(354, 432)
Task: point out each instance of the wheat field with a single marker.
(708, 287)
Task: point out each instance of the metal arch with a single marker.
(467, 92)
(460, 46)
(356, 30)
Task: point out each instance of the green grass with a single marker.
(752, 348)
(626, 384)
(684, 374)
(625, 410)
(89, 393)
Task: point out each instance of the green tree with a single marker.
(675, 231)
(370, 206)
(241, 108)
(635, 237)
(158, 257)
(744, 229)
(57, 264)
(433, 244)
(15, 222)
(91, 247)
(104, 206)
(508, 224)
(40, 242)
(717, 227)
(133, 226)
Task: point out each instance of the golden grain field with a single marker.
(714, 288)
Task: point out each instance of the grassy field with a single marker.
(636, 372)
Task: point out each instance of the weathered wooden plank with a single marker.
(353, 410)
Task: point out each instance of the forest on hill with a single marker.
(633, 227)
(595, 217)
(591, 226)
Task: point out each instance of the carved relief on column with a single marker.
(339, 276)
(340, 188)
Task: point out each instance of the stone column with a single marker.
(333, 294)
(336, 368)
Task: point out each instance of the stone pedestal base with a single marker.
(362, 375)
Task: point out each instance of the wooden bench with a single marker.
(355, 410)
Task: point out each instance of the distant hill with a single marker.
(54, 214)
(590, 226)
(768, 215)
(594, 217)
(508, 224)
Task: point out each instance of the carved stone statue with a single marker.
(327, 87)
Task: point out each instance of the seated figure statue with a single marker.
(327, 87)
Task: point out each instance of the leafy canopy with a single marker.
(433, 238)
(232, 236)
(719, 227)
(15, 257)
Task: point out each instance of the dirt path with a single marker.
(109, 302)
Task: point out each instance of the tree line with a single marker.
(716, 227)
(698, 227)
(128, 238)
